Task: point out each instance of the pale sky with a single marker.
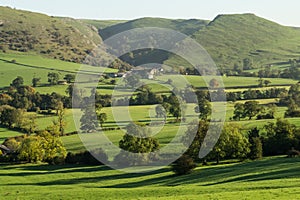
(285, 12)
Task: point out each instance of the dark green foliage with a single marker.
(87, 157)
(137, 141)
(256, 148)
(250, 109)
(183, 165)
(18, 82)
(36, 81)
(89, 120)
(281, 137)
(53, 78)
(70, 78)
(137, 144)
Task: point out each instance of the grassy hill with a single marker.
(185, 26)
(102, 24)
(231, 38)
(270, 178)
(60, 38)
(228, 38)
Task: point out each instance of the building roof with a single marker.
(2, 147)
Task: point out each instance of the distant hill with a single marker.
(61, 38)
(231, 38)
(185, 26)
(102, 24)
(228, 38)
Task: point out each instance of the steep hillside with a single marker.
(185, 26)
(60, 38)
(231, 38)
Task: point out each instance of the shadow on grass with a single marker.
(118, 176)
(273, 168)
(267, 169)
(52, 169)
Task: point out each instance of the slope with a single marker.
(231, 38)
(185, 26)
(60, 38)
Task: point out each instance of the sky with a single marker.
(285, 12)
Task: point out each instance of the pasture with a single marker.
(270, 178)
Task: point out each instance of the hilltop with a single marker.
(185, 26)
(228, 38)
(231, 38)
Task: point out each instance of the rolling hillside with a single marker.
(185, 26)
(231, 38)
(59, 38)
(228, 38)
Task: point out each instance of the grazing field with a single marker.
(270, 178)
(30, 65)
(5, 133)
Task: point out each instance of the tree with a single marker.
(231, 144)
(70, 78)
(30, 124)
(89, 120)
(281, 137)
(61, 118)
(183, 165)
(200, 130)
(267, 82)
(137, 140)
(102, 118)
(36, 82)
(18, 82)
(9, 116)
(238, 111)
(53, 78)
(204, 109)
(45, 147)
(251, 109)
(213, 83)
(256, 149)
(176, 112)
(32, 150)
(160, 112)
(132, 81)
(247, 64)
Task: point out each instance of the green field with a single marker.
(270, 178)
(33, 44)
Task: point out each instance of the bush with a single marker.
(184, 165)
(86, 157)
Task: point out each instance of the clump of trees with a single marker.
(137, 145)
(231, 144)
(281, 137)
(45, 146)
(292, 101)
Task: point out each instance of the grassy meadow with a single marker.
(274, 177)
(270, 178)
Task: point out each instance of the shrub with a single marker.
(86, 157)
(184, 165)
